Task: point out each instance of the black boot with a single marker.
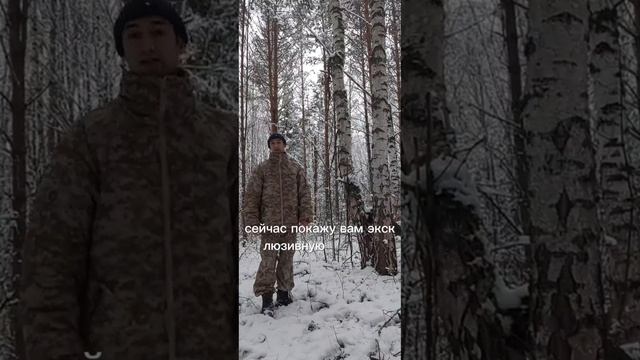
(267, 304)
(283, 298)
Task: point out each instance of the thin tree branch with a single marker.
(485, 112)
(520, 5)
(6, 137)
(456, 32)
(502, 213)
(4, 10)
(6, 302)
(356, 15)
(469, 150)
(388, 320)
(6, 98)
(32, 100)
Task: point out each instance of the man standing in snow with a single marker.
(277, 194)
(131, 248)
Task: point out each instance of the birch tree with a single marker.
(394, 151)
(326, 82)
(562, 184)
(356, 214)
(336, 61)
(619, 242)
(364, 47)
(384, 244)
(243, 98)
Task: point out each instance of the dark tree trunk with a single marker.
(17, 11)
(515, 87)
(272, 63)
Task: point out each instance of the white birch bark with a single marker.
(393, 127)
(384, 244)
(379, 100)
(564, 224)
(340, 103)
(619, 243)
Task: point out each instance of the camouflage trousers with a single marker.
(276, 265)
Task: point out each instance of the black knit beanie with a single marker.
(135, 9)
(276, 136)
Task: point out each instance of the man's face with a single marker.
(151, 46)
(277, 146)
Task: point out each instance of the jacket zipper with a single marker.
(281, 195)
(166, 204)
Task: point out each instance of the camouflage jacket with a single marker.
(130, 248)
(277, 193)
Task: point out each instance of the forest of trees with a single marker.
(513, 127)
(58, 61)
(519, 173)
(326, 74)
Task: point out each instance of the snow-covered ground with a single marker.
(338, 311)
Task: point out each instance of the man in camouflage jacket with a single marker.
(277, 194)
(131, 247)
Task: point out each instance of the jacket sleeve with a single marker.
(253, 199)
(305, 205)
(55, 253)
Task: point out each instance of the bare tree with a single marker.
(515, 82)
(384, 243)
(620, 263)
(17, 20)
(562, 184)
(243, 97)
(394, 150)
(340, 103)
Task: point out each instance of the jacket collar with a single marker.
(142, 93)
(278, 156)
